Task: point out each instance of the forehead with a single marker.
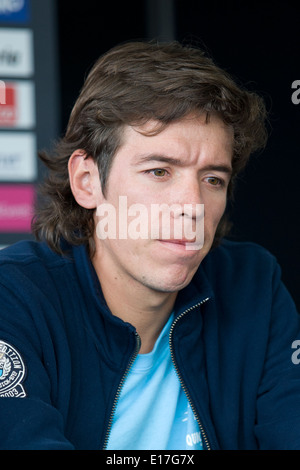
(187, 140)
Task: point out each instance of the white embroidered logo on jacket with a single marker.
(12, 372)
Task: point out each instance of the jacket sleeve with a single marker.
(30, 418)
(278, 402)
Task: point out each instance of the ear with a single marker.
(84, 180)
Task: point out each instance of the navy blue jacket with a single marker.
(232, 344)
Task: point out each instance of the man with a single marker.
(126, 327)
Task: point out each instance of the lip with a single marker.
(178, 246)
(177, 242)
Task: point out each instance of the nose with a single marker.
(188, 217)
(187, 195)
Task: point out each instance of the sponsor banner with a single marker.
(2, 92)
(18, 110)
(14, 11)
(16, 52)
(16, 208)
(18, 160)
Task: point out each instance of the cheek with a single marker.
(213, 213)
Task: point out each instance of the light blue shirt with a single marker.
(152, 410)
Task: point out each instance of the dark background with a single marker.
(258, 43)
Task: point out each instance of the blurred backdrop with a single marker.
(257, 42)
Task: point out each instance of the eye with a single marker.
(214, 181)
(157, 172)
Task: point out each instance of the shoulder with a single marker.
(35, 283)
(29, 261)
(241, 263)
(233, 252)
(27, 252)
(245, 278)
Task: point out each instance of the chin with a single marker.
(171, 282)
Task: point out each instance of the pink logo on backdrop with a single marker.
(16, 207)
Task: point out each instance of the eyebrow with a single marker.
(177, 162)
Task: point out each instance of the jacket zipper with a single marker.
(179, 375)
(132, 359)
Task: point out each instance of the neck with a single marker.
(144, 308)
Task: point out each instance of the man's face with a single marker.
(187, 163)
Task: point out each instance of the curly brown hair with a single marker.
(129, 85)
